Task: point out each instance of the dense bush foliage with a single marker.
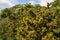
(28, 22)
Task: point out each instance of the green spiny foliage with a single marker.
(28, 22)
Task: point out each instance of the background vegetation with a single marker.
(30, 22)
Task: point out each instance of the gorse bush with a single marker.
(28, 22)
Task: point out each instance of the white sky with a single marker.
(8, 3)
(44, 2)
